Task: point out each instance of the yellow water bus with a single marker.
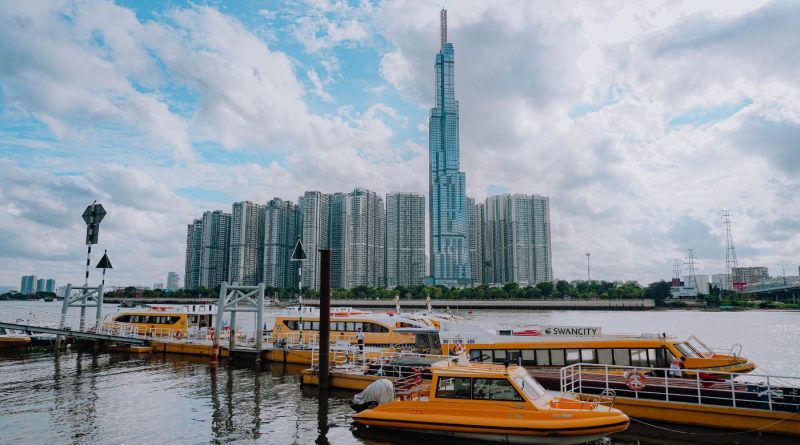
(558, 346)
(379, 329)
(167, 320)
(488, 402)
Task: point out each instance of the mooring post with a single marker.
(232, 334)
(99, 312)
(223, 291)
(324, 317)
(260, 319)
(64, 309)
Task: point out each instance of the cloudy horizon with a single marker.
(641, 122)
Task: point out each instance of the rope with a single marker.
(734, 433)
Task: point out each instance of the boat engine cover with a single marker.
(377, 393)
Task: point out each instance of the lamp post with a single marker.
(588, 269)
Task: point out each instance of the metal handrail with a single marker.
(704, 387)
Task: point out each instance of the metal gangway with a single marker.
(44, 322)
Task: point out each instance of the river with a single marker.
(86, 398)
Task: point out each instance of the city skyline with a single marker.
(640, 122)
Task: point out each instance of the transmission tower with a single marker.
(730, 250)
(692, 276)
(676, 270)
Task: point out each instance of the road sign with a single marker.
(104, 263)
(93, 214)
(299, 254)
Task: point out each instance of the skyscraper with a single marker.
(194, 251)
(27, 286)
(475, 215)
(172, 280)
(282, 226)
(366, 225)
(50, 285)
(449, 255)
(517, 239)
(314, 207)
(338, 240)
(405, 239)
(246, 244)
(41, 285)
(215, 247)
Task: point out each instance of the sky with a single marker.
(641, 121)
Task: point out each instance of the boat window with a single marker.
(588, 356)
(333, 326)
(622, 357)
(350, 326)
(359, 326)
(315, 326)
(663, 359)
(542, 357)
(2, 331)
(379, 328)
(530, 387)
(495, 389)
(342, 326)
(123, 318)
(639, 357)
(557, 357)
(291, 324)
(500, 356)
(453, 388)
(573, 356)
(528, 357)
(514, 357)
(604, 357)
(306, 325)
(685, 350)
(475, 355)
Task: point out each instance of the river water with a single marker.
(86, 398)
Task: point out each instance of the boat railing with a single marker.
(377, 361)
(701, 387)
(55, 320)
(293, 340)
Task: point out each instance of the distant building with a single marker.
(41, 285)
(283, 225)
(749, 275)
(215, 247)
(314, 207)
(405, 239)
(702, 283)
(50, 285)
(476, 217)
(517, 242)
(720, 280)
(365, 228)
(246, 244)
(338, 239)
(173, 281)
(27, 285)
(158, 285)
(194, 251)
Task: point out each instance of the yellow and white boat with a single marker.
(159, 320)
(492, 402)
(558, 346)
(12, 338)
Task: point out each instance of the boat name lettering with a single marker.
(564, 415)
(463, 341)
(576, 331)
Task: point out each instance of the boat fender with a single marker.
(635, 379)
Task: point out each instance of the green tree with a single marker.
(658, 291)
(562, 288)
(546, 288)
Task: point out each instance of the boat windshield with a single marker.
(530, 387)
(686, 350)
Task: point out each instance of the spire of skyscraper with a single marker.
(443, 19)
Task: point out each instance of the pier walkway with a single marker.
(44, 322)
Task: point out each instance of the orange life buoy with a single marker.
(635, 380)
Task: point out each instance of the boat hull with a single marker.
(499, 437)
(14, 342)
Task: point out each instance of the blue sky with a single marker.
(640, 121)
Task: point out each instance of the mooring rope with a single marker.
(732, 433)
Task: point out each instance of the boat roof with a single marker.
(448, 368)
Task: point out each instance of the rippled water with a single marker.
(86, 398)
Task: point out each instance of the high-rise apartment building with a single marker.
(338, 240)
(27, 286)
(449, 253)
(405, 239)
(517, 239)
(475, 215)
(173, 280)
(246, 244)
(282, 227)
(194, 251)
(366, 225)
(314, 207)
(50, 285)
(41, 285)
(215, 245)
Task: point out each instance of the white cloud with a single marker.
(319, 90)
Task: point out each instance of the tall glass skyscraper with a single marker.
(449, 255)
